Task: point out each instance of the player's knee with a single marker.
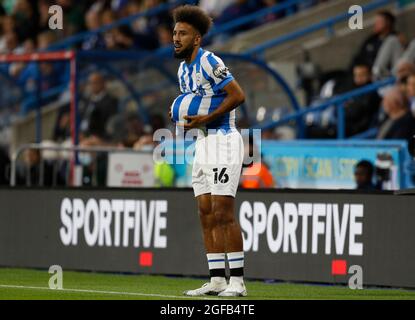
(223, 216)
(205, 211)
(207, 218)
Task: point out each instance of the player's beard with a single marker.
(184, 54)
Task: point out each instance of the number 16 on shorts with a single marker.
(221, 177)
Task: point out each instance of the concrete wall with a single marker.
(24, 130)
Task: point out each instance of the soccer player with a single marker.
(210, 94)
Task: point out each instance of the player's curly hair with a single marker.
(194, 16)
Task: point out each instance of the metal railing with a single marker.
(338, 102)
(70, 160)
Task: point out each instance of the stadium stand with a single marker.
(296, 40)
(96, 200)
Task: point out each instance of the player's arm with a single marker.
(234, 98)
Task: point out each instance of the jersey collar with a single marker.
(197, 59)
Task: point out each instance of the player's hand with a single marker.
(194, 122)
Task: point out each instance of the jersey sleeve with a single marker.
(218, 72)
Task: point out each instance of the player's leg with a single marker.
(223, 208)
(213, 239)
(224, 184)
(214, 246)
(212, 231)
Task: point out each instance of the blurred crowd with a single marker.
(103, 124)
(24, 28)
(384, 53)
(22, 21)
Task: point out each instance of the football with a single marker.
(187, 104)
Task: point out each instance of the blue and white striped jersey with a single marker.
(201, 84)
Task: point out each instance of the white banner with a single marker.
(130, 170)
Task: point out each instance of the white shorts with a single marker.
(217, 164)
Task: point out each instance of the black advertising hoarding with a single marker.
(295, 236)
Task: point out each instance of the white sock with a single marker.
(216, 262)
(236, 264)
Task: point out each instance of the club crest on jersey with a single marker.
(220, 72)
(198, 79)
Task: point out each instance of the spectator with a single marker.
(256, 175)
(157, 122)
(147, 31)
(399, 124)
(215, 7)
(96, 109)
(73, 15)
(93, 22)
(124, 38)
(62, 129)
(45, 39)
(409, 54)
(40, 76)
(44, 16)
(269, 134)
(155, 20)
(235, 10)
(410, 91)
(125, 129)
(149, 36)
(308, 72)
(278, 15)
(165, 35)
(11, 43)
(9, 27)
(145, 143)
(403, 40)
(135, 8)
(26, 19)
(360, 112)
(27, 73)
(363, 175)
(29, 172)
(382, 49)
(108, 17)
(120, 7)
(164, 174)
(404, 69)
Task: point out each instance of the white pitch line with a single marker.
(106, 292)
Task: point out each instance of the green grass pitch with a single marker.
(33, 284)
